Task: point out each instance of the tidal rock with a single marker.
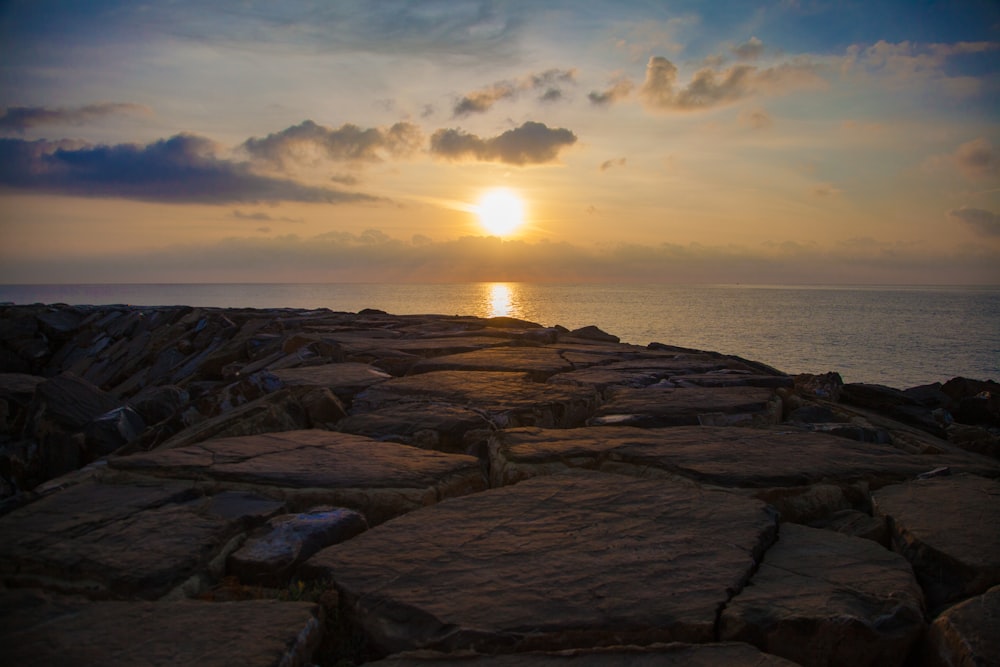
(965, 634)
(269, 558)
(122, 541)
(311, 467)
(672, 406)
(949, 529)
(579, 559)
(593, 333)
(55, 630)
(721, 654)
(823, 599)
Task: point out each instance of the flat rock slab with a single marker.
(120, 541)
(579, 559)
(949, 529)
(380, 479)
(729, 457)
(723, 654)
(657, 405)
(37, 630)
(820, 598)
(966, 634)
(509, 399)
(440, 426)
(343, 379)
(538, 362)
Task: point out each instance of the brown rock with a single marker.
(311, 467)
(949, 529)
(823, 599)
(669, 406)
(441, 426)
(345, 379)
(570, 560)
(538, 362)
(965, 634)
(41, 630)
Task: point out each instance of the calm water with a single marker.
(899, 336)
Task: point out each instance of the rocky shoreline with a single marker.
(288, 487)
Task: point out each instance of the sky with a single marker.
(783, 142)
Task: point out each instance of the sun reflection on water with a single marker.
(501, 300)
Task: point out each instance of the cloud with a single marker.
(531, 143)
(751, 49)
(909, 60)
(984, 223)
(755, 119)
(547, 83)
(826, 190)
(974, 160)
(619, 89)
(260, 216)
(710, 87)
(181, 169)
(608, 164)
(20, 119)
(348, 143)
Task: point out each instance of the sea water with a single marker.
(898, 336)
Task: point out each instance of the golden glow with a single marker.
(500, 212)
(499, 300)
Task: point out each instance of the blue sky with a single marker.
(792, 141)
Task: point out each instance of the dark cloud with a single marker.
(260, 216)
(756, 119)
(348, 143)
(618, 90)
(531, 143)
(608, 164)
(976, 157)
(19, 119)
(547, 83)
(181, 169)
(984, 223)
(711, 87)
(751, 49)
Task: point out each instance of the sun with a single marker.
(500, 211)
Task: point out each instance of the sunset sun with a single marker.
(500, 212)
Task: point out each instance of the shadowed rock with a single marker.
(965, 634)
(43, 630)
(538, 363)
(569, 560)
(949, 529)
(820, 599)
(381, 479)
(657, 405)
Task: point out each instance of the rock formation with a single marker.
(287, 487)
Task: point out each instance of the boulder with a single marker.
(659, 405)
(965, 634)
(440, 426)
(270, 557)
(111, 431)
(593, 333)
(578, 559)
(947, 527)
(123, 541)
(39, 629)
(823, 599)
(312, 467)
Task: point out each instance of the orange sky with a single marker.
(788, 142)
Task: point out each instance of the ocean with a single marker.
(897, 336)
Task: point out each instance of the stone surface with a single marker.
(309, 467)
(820, 599)
(538, 362)
(269, 558)
(344, 380)
(658, 405)
(569, 560)
(723, 654)
(949, 528)
(508, 399)
(441, 426)
(37, 630)
(965, 634)
(107, 540)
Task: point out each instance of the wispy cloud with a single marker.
(608, 164)
(752, 49)
(20, 119)
(181, 169)
(308, 141)
(547, 84)
(984, 223)
(531, 143)
(974, 160)
(619, 89)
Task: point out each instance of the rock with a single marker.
(579, 559)
(856, 524)
(157, 403)
(16, 392)
(345, 380)
(826, 386)
(821, 599)
(975, 439)
(727, 654)
(270, 558)
(509, 399)
(111, 431)
(948, 528)
(978, 401)
(965, 634)
(593, 333)
(120, 541)
(539, 363)
(45, 630)
(312, 467)
(440, 426)
(656, 406)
